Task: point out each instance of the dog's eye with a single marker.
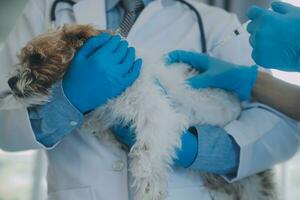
(36, 59)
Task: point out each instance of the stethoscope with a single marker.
(199, 18)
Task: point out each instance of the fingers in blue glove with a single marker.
(196, 60)
(200, 81)
(255, 12)
(281, 7)
(112, 44)
(130, 56)
(188, 151)
(121, 51)
(252, 40)
(128, 61)
(124, 135)
(134, 72)
(92, 44)
(252, 27)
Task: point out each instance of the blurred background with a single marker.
(22, 175)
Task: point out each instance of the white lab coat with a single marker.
(82, 167)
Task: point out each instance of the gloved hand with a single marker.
(185, 156)
(275, 36)
(217, 73)
(124, 135)
(102, 69)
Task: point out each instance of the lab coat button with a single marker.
(118, 165)
(73, 123)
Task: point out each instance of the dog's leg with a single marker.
(258, 187)
(157, 139)
(158, 130)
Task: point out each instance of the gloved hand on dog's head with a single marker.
(102, 69)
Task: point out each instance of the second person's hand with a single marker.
(217, 73)
(102, 69)
(275, 36)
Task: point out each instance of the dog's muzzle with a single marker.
(12, 82)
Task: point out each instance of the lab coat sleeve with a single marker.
(266, 138)
(218, 152)
(55, 120)
(15, 128)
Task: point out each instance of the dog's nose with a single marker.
(12, 82)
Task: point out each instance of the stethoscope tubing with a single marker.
(199, 18)
(200, 24)
(54, 5)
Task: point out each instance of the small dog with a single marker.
(159, 106)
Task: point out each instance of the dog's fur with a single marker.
(159, 105)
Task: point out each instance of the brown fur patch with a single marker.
(46, 58)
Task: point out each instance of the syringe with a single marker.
(242, 29)
(239, 31)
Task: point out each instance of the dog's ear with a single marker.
(76, 35)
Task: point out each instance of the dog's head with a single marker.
(46, 58)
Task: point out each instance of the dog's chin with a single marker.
(34, 100)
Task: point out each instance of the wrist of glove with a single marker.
(187, 154)
(275, 36)
(245, 81)
(215, 73)
(184, 156)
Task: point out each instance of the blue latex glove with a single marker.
(185, 156)
(275, 36)
(217, 73)
(102, 69)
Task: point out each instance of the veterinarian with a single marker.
(276, 44)
(84, 167)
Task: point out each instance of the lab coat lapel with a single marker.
(91, 12)
(144, 16)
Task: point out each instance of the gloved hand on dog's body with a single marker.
(215, 73)
(102, 69)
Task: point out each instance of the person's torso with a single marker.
(81, 166)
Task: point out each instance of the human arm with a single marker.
(59, 117)
(217, 74)
(275, 36)
(184, 156)
(102, 69)
(266, 138)
(259, 130)
(55, 120)
(278, 94)
(247, 82)
(15, 128)
(204, 148)
(271, 138)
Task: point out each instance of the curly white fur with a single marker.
(160, 106)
